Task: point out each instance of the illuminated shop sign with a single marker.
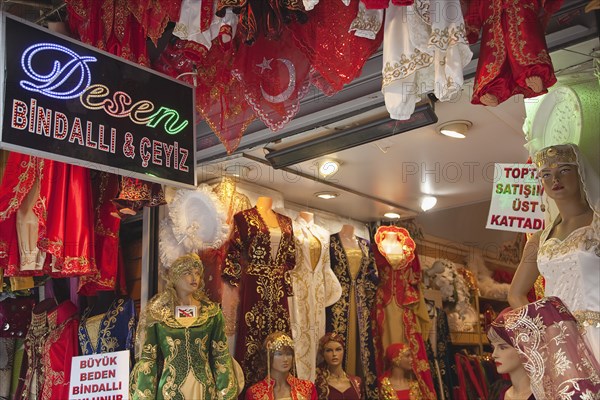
(70, 102)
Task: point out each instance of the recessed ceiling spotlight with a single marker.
(327, 195)
(428, 202)
(391, 215)
(328, 167)
(455, 129)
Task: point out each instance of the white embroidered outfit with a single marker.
(315, 287)
(424, 49)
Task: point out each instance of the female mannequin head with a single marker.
(331, 348)
(505, 355)
(279, 349)
(185, 277)
(399, 359)
(567, 177)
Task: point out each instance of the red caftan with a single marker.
(300, 389)
(50, 344)
(400, 313)
(513, 46)
(264, 283)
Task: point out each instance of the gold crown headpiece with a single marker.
(184, 263)
(277, 342)
(554, 155)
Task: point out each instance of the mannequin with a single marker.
(332, 381)
(279, 383)
(547, 339)
(398, 382)
(192, 350)
(401, 313)
(353, 264)
(566, 253)
(347, 237)
(260, 255)
(315, 288)
(307, 216)
(507, 361)
(263, 205)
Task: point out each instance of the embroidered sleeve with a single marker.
(232, 269)
(143, 378)
(222, 364)
(473, 19)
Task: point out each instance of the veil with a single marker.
(553, 352)
(589, 182)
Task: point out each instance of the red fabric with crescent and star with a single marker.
(275, 76)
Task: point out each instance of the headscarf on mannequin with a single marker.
(553, 156)
(547, 337)
(162, 305)
(394, 353)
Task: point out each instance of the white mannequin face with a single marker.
(505, 356)
(282, 360)
(561, 182)
(188, 282)
(333, 353)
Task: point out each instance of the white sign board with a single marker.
(100, 376)
(516, 199)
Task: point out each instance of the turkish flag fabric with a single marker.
(275, 77)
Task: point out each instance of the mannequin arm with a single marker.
(527, 273)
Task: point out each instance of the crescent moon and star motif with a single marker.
(289, 90)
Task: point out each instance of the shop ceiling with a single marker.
(393, 172)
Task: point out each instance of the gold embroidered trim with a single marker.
(588, 318)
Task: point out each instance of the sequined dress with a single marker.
(571, 268)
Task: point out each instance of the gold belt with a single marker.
(588, 318)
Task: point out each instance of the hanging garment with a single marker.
(513, 46)
(50, 344)
(378, 4)
(263, 18)
(183, 360)
(424, 49)
(264, 281)
(336, 55)
(111, 331)
(350, 316)
(198, 23)
(401, 314)
(315, 287)
(274, 74)
(54, 202)
(106, 236)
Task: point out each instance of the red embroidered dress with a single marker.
(50, 344)
(300, 389)
(513, 46)
(264, 283)
(400, 313)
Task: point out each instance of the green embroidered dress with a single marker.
(184, 358)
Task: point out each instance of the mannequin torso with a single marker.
(264, 206)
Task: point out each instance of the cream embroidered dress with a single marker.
(315, 287)
(424, 49)
(571, 268)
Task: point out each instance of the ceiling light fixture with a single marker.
(428, 202)
(327, 195)
(391, 215)
(455, 129)
(343, 139)
(328, 167)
